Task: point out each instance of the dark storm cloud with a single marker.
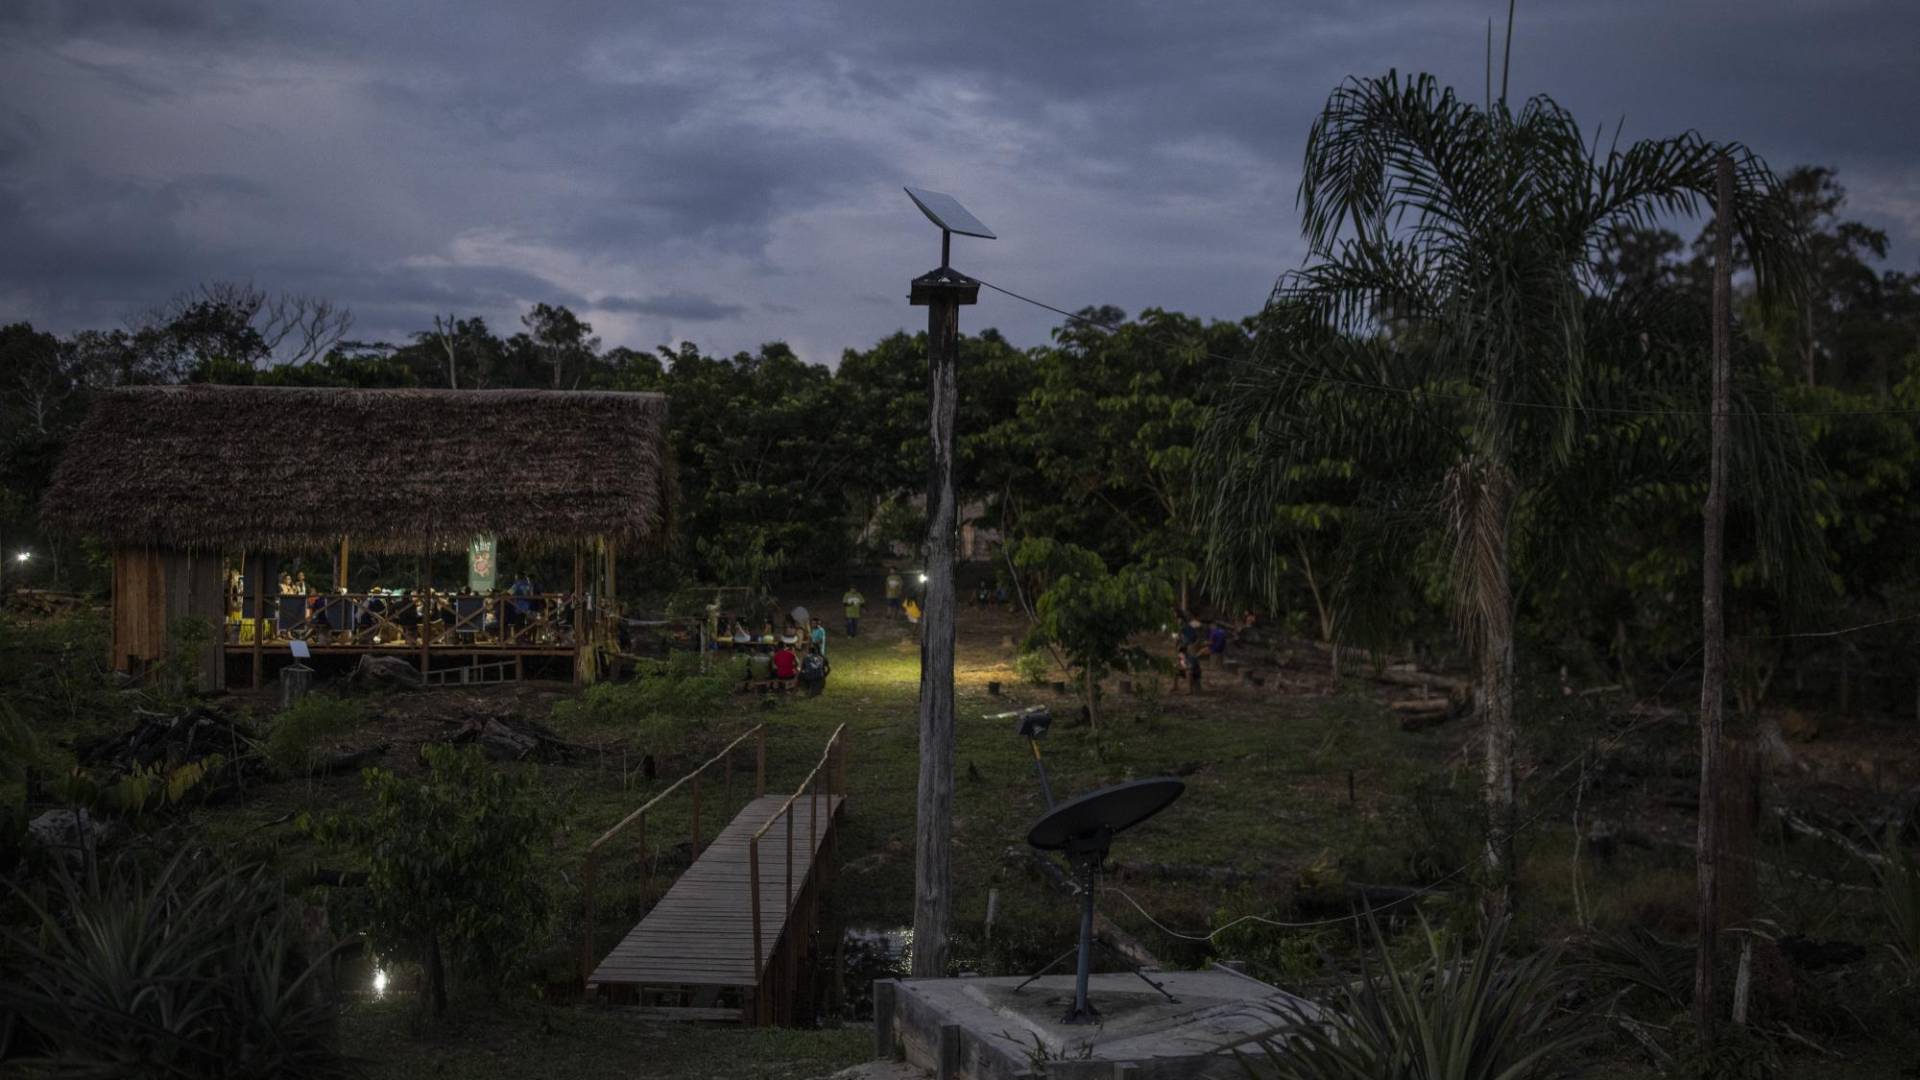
(735, 167)
(684, 306)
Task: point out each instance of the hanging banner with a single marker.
(482, 567)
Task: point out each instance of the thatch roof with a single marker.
(289, 469)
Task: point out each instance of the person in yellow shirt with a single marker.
(854, 602)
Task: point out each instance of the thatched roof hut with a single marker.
(290, 469)
(176, 478)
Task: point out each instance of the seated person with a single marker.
(785, 664)
(766, 632)
(409, 618)
(813, 670)
(286, 586)
(739, 632)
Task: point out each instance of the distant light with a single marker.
(25, 555)
(379, 983)
(923, 579)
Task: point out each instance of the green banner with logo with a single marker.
(483, 564)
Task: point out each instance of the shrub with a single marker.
(299, 731)
(1459, 1012)
(1035, 667)
(1899, 875)
(189, 971)
(452, 874)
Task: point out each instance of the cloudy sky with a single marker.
(729, 173)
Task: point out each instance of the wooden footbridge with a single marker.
(728, 940)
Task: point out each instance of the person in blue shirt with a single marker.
(818, 637)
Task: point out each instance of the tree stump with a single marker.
(295, 681)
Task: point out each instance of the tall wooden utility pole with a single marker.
(1713, 676)
(942, 292)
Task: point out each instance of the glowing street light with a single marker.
(23, 556)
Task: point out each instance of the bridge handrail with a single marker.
(835, 753)
(759, 733)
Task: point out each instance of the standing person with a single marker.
(896, 591)
(1188, 663)
(300, 586)
(286, 585)
(818, 638)
(1217, 642)
(854, 602)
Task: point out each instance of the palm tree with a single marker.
(1443, 353)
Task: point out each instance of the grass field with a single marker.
(1292, 797)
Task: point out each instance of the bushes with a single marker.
(452, 873)
(192, 970)
(298, 732)
(1035, 667)
(1899, 876)
(660, 707)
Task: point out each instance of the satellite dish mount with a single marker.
(1083, 829)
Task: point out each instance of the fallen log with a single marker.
(1407, 675)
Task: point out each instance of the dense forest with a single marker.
(1091, 440)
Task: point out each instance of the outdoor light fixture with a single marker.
(923, 577)
(25, 555)
(379, 983)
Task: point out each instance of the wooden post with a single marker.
(753, 889)
(813, 815)
(586, 944)
(760, 762)
(789, 907)
(942, 293)
(426, 613)
(727, 769)
(696, 814)
(259, 619)
(582, 636)
(340, 575)
(1713, 675)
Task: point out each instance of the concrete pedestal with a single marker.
(982, 1029)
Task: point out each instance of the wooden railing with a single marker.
(834, 760)
(758, 733)
(411, 619)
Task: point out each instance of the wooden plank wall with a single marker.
(194, 589)
(152, 587)
(139, 609)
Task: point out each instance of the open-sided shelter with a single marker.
(177, 479)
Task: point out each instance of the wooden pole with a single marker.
(425, 611)
(586, 943)
(753, 890)
(1713, 676)
(582, 636)
(340, 574)
(696, 814)
(259, 569)
(933, 843)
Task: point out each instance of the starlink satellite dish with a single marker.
(945, 211)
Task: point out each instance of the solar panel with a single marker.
(945, 211)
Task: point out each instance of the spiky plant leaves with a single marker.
(190, 970)
(1459, 1013)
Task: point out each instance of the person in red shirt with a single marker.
(785, 665)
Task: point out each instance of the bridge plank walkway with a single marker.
(701, 931)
